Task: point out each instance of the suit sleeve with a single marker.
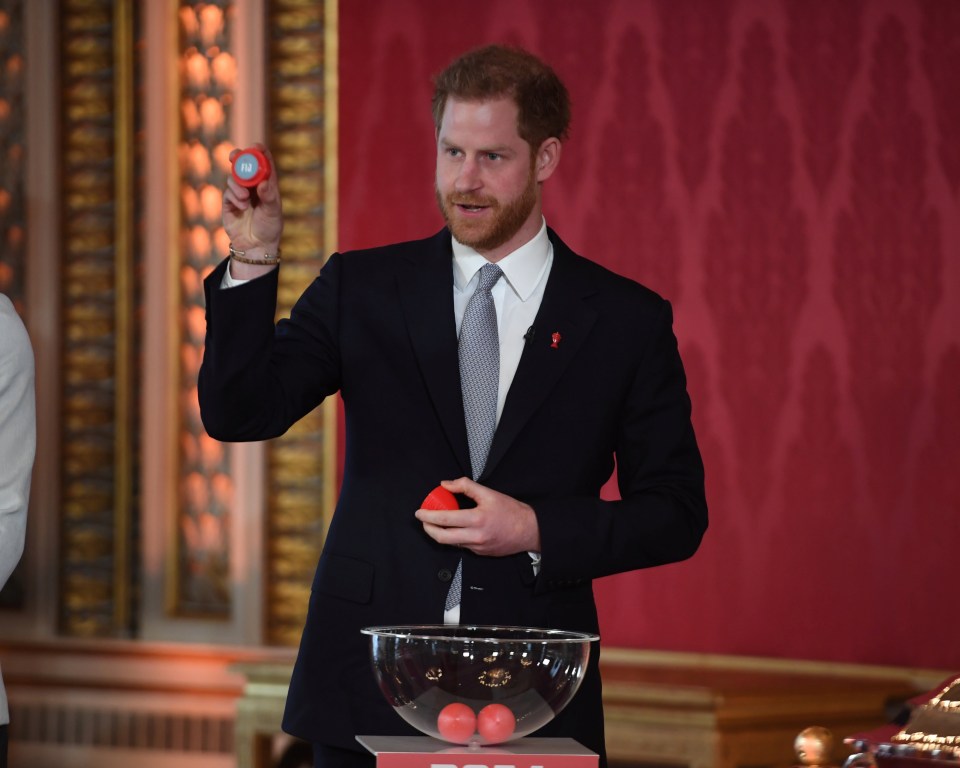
(257, 378)
(662, 514)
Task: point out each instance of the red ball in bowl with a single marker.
(496, 723)
(457, 723)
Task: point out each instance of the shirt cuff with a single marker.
(229, 281)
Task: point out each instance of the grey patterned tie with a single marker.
(479, 383)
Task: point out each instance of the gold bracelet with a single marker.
(270, 259)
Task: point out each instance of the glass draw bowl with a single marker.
(478, 685)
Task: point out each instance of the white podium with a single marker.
(528, 752)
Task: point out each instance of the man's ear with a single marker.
(547, 159)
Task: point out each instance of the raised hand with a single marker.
(253, 218)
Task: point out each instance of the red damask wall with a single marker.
(788, 174)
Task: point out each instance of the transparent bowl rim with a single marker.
(479, 633)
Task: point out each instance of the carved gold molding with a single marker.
(97, 311)
(199, 566)
(302, 133)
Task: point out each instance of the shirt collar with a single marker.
(522, 268)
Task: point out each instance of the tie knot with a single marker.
(489, 274)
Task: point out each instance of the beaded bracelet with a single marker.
(239, 255)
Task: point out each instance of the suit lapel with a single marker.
(425, 284)
(563, 311)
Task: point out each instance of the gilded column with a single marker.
(98, 310)
(200, 567)
(302, 130)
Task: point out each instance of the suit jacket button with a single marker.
(444, 574)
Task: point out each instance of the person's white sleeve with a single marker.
(18, 435)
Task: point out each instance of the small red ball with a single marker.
(440, 498)
(457, 723)
(496, 723)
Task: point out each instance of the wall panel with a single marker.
(784, 172)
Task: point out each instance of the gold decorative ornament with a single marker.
(814, 747)
(934, 727)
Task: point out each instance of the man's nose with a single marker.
(468, 177)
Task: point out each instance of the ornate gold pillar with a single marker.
(100, 359)
(302, 126)
(200, 565)
(98, 314)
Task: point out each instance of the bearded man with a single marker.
(489, 357)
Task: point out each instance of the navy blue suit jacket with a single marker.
(378, 326)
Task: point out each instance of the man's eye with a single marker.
(492, 156)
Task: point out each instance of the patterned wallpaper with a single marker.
(788, 174)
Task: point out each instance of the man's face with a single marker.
(487, 185)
